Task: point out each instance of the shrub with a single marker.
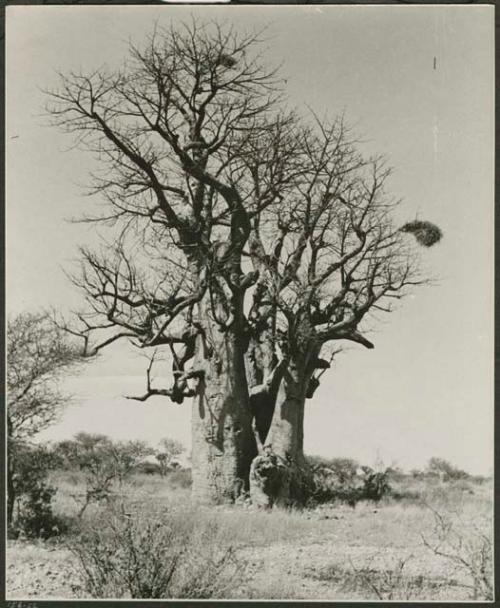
(166, 456)
(341, 480)
(127, 455)
(165, 556)
(30, 464)
(375, 484)
(396, 474)
(32, 514)
(103, 462)
(389, 582)
(343, 468)
(440, 466)
(467, 545)
(35, 517)
(325, 488)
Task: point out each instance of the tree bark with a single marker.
(223, 443)
(285, 434)
(279, 475)
(264, 374)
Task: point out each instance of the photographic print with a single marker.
(250, 302)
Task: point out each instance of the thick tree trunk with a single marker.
(223, 442)
(264, 378)
(279, 474)
(285, 434)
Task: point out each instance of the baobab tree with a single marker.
(245, 239)
(334, 258)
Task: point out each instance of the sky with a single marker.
(417, 84)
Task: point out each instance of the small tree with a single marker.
(127, 455)
(169, 449)
(92, 454)
(37, 354)
(103, 462)
(443, 468)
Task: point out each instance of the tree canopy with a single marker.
(37, 353)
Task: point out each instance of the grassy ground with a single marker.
(397, 549)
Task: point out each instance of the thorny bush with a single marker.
(162, 556)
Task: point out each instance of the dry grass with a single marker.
(123, 554)
(333, 552)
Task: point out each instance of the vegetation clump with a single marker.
(426, 233)
(132, 556)
(38, 353)
(32, 511)
(342, 480)
(104, 463)
(444, 469)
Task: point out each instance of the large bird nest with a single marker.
(426, 233)
(227, 61)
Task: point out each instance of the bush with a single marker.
(32, 515)
(166, 456)
(341, 480)
(104, 463)
(466, 543)
(441, 467)
(375, 484)
(35, 518)
(343, 468)
(165, 556)
(388, 583)
(30, 465)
